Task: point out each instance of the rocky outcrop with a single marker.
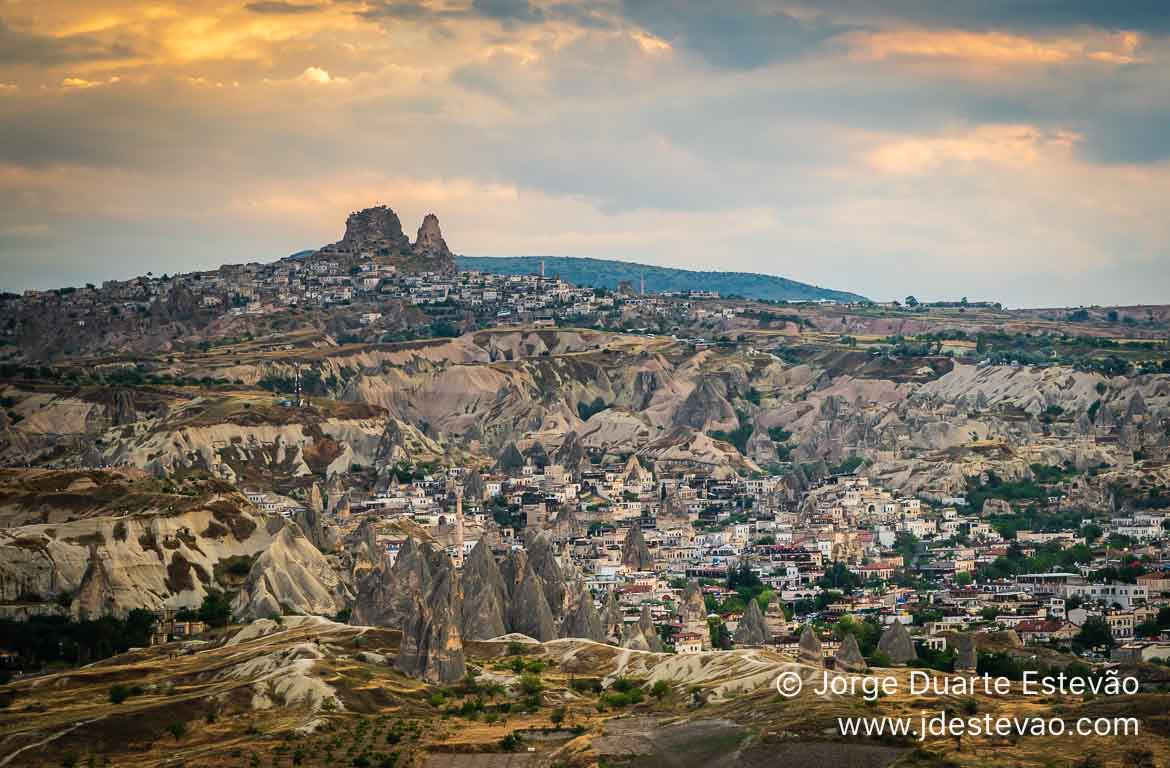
(583, 620)
(693, 613)
(635, 554)
(528, 611)
(431, 647)
(897, 644)
(95, 596)
(311, 519)
(634, 638)
(485, 596)
(510, 459)
(966, 653)
(167, 554)
(612, 621)
(386, 595)
(809, 650)
(848, 657)
(646, 625)
(430, 243)
(995, 507)
(419, 595)
(375, 230)
(751, 629)
(642, 635)
(543, 560)
(473, 486)
(291, 576)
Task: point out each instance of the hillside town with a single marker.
(716, 560)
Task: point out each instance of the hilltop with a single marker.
(605, 273)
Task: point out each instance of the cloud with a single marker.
(732, 33)
(279, 7)
(1003, 145)
(960, 45)
(847, 147)
(317, 76)
(1020, 15)
(508, 10)
(18, 48)
(82, 83)
(1130, 139)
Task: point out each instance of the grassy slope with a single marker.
(608, 274)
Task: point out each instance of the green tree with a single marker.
(1094, 632)
(216, 609)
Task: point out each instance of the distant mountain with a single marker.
(604, 273)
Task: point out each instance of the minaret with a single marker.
(459, 527)
(642, 284)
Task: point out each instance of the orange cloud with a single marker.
(999, 48)
(1002, 145)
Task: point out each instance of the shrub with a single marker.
(530, 684)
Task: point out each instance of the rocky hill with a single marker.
(307, 691)
(111, 541)
(377, 233)
(610, 274)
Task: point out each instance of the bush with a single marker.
(585, 685)
(530, 684)
(119, 692)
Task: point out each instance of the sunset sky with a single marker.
(1017, 151)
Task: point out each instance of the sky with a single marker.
(1014, 150)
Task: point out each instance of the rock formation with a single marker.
(809, 651)
(95, 595)
(431, 646)
(751, 629)
(528, 611)
(419, 595)
(646, 625)
(635, 554)
(897, 645)
(375, 230)
(290, 576)
(848, 657)
(634, 639)
(430, 243)
(612, 621)
(542, 557)
(485, 596)
(385, 595)
(583, 620)
(510, 459)
(693, 613)
(966, 655)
